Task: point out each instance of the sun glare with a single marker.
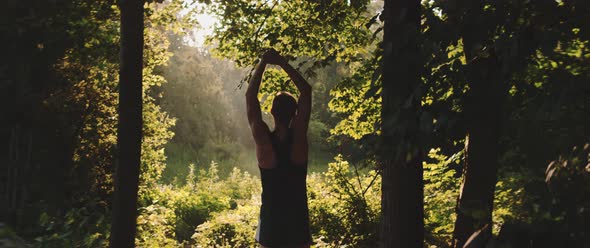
(205, 28)
(196, 37)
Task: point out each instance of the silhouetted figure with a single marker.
(282, 159)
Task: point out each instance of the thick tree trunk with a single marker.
(402, 205)
(476, 199)
(130, 125)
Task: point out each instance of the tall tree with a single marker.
(402, 186)
(130, 125)
(482, 109)
(498, 41)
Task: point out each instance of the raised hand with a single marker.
(273, 57)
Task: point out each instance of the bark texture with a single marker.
(402, 205)
(475, 203)
(482, 109)
(130, 125)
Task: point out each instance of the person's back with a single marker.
(284, 217)
(282, 159)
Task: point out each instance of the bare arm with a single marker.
(252, 102)
(260, 130)
(301, 119)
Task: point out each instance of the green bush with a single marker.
(236, 226)
(232, 228)
(344, 210)
(154, 227)
(87, 226)
(172, 213)
(344, 206)
(441, 189)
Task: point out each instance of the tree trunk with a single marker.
(130, 125)
(482, 108)
(402, 198)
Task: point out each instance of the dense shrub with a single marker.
(344, 206)
(441, 189)
(209, 210)
(232, 228)
(154, 227)
(174, 212)
(344, 210)
(86, 226)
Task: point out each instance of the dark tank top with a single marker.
(284, 215)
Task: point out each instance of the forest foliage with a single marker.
(199, 184)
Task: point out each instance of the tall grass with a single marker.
(227, 156)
